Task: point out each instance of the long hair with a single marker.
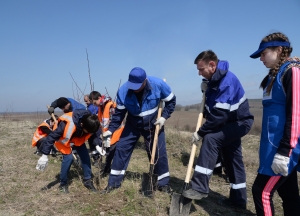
(286, 51)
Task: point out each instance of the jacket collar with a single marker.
(219, 74)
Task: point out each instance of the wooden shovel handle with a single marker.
(156, 134)
(194, 146)
(52, 115)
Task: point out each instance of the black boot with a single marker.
(166, 189)
(63, 188)
(108, 189)
(89, 185)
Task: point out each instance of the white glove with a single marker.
(280, 164)
(100, 150)
(42, 163)
(160, 122)
(106, 142)
(195, 137)
(106, 134)
(204, 85)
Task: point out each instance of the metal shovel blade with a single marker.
(180, 206)
(149, 184)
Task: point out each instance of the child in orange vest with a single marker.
(105, 110)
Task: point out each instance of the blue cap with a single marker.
(264, 45)
(136, 78)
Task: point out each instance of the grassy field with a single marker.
(26, 191)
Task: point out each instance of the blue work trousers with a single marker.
(227, 140)
(124, 149)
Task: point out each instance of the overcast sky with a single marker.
(43, 42)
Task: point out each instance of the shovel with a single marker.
(180, 205)
(149, 180)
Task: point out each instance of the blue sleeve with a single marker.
(95, 138)
(54, 104)
(219, 114)
(169, 108)
(93, 109)
(169, 98)
(215, 119)
(47, 144)
(117, 119)
(76, 105)
(118, 116)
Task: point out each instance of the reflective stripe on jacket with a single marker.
(104, 118)
(39, 134)
(63, 144)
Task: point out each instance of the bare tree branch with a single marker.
(87, 58)
(76, 84)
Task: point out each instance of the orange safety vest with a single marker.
(39, 134)
(63, 144)
(104, 118)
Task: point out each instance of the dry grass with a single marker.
(22, 187)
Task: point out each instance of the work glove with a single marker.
(42, 163)
(204, 85)
(160, 122)
(280, 164)
(50, 110)
(107, 134)
(101, 150)
(195, 138)
(106, 142)
(106, 139)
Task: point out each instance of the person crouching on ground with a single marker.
(73, 128)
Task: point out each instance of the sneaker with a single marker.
(230, 204)
(108, 189)
(89, 185)
(192, 194)
(166, 189)
(63, 188)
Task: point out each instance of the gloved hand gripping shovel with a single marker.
(180, 206)
(149, 180)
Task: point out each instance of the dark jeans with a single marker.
(68, 159)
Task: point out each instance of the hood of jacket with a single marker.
(220, 73)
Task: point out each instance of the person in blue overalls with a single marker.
(66, 105)
(139, 97)
(227, 120)
(279, 150)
